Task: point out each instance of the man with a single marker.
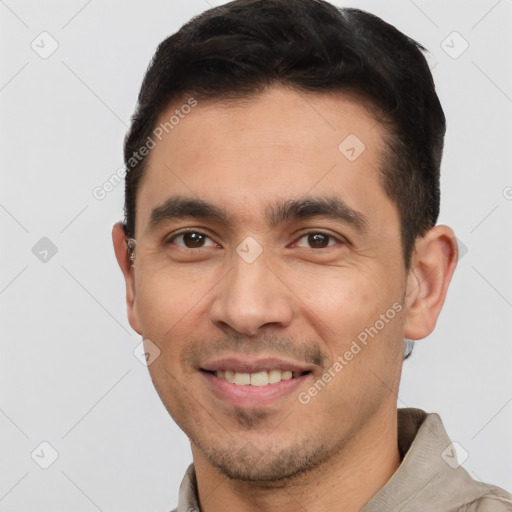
(280, 247)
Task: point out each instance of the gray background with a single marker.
(68, 375)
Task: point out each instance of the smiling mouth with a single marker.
(258, 379)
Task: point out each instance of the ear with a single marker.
(123, 259)
(433, 263)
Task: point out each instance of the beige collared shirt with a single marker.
(428, 479)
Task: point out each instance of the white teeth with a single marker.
(274, 376)
(259, 379)
(256, 379)
(242, 379)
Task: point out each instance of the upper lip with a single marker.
(237, 364)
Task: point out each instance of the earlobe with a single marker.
(432, 267)
(125, 264)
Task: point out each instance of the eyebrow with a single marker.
(279, 213)
(180, 207)
(330, 207)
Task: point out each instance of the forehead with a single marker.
(281, 144)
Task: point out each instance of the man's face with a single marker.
(264, 247)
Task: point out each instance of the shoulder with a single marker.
(497, 500)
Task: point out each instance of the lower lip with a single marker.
(252, 396)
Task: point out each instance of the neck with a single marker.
(347, 481)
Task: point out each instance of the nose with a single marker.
(251, 296)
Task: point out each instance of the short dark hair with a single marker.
(241, 48)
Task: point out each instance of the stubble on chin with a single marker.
(271, 464)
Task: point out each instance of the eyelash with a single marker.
(323, 233)
(171, 239)
(339, 240)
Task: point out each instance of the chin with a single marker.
(249, 464)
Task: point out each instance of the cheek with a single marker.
(166, 300)
(168, 307)
(359, 321)
(343, 302)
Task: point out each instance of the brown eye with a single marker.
(192, 240)
(318, 240)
